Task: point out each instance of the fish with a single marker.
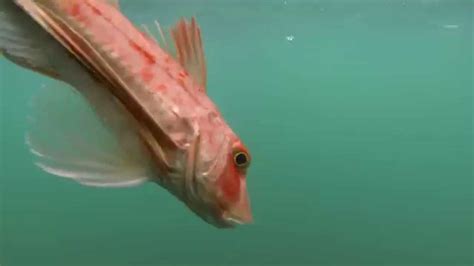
(148, 92)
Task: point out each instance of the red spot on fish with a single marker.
(75, 10)
(161, 87)
(148, 57)
(183, 74)
(168, 59)
(147, 74)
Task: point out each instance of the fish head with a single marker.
(220, 185)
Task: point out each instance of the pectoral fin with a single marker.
(68, 140)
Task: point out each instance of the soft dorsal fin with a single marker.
(189, 50)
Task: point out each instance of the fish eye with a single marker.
(241, 159)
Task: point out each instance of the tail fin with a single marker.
(22, 40)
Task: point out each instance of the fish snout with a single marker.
(240, 212)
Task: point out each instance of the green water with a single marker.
(359, 118)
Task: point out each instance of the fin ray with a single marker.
(184, 43)
(22, 40)
(190, 51)
(67, 139)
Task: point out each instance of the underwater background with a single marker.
(359, 118)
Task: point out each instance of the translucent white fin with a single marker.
(68, 140)
(161, 37)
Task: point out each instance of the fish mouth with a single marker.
(240, 212)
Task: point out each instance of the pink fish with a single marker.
(151, 96)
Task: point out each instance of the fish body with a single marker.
(154, 100)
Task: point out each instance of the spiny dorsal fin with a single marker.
(189, 50)
(161, 37)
